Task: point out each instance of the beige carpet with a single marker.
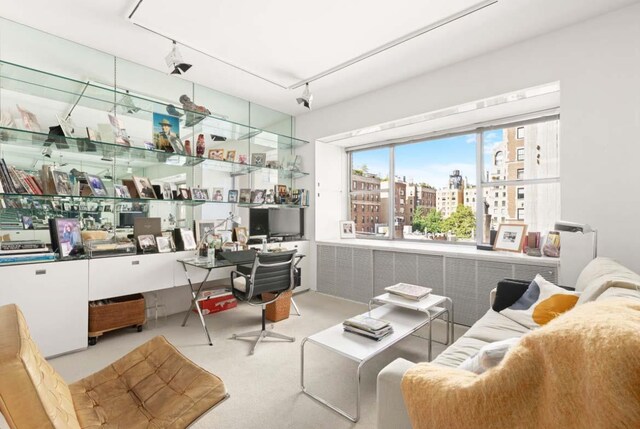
(265, 388)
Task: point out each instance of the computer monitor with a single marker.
(258, 222)
(127, 219)
(286, 222)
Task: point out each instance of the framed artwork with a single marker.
(347, 229)
(166, 133)
(144, 188)
(210, 226)
(61, 182)
(199, 194)
(117, 126)
(96, 185)
(245, 195)
(187, 239)
(233, 196)
(27, 222)
(167, 193)
(29, 120)
(217, 194)
(66, 237)
(257, 196)
(242, 159)
(258, 159)
(164, 244)
(241, 234)
(231, 156)
(147, 243)
(217, 154)
(510, 237)
(184, 194)
(121, 191)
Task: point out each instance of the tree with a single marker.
(427, 220)
(462, 222)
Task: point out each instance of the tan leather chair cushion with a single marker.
(32, 393)
(154, 386)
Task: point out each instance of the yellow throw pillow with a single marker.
(542, 302)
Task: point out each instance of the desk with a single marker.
(208, 265)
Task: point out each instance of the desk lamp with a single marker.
(235, 220)
(582, 228)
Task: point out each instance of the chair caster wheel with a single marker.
(139, 328)
(93, 341)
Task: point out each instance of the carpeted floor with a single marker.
(265, 388)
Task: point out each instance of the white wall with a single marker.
(598, 65)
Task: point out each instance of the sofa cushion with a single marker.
(488, 356)
(494, 326)
(601, 274)
(619, 292)
(542, 302)
(459, 351)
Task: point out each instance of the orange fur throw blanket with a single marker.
(582, 370)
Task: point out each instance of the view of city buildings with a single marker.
(507, 160)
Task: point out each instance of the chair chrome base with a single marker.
(261, 335)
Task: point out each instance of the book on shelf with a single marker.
(23, 251)
(29, 258)
(376, 335)
(408, 291)
(22, 244)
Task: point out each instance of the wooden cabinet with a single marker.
(53, 298)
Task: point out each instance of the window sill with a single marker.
(450, 250)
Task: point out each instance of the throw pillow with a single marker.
(508, 292)
(542, 302)
(488, 356)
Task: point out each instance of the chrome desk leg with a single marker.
(430, 337)
(295, 307)
(323, 401)
(194, 303)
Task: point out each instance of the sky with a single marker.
(431, 161)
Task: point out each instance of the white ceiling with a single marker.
(289, 40)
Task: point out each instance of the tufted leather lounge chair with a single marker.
(154, 386)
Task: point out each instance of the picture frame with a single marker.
(231, 156)
(117, 125)
(147, 243)
(347, 229)
(184, 194)
(96, 185)
(66, 238)
(29, 120)
(217, 194)
(27, 222)
(258, 159)
(233, 196)
(242, 236)
(242, 159)
(167, 193)
(144, 187)
(188, 240)
(121, 191)
(510, 237)
(164, 244)
(257, 196)
(245, 196)
(166, 133)
(207, 226)
(216, 154)
(199, 194)
(61, 182)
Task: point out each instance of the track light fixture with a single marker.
(174, 61)
(306, 98)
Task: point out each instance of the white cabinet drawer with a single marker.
(53, 297)
(125, 275)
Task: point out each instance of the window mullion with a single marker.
(392, 194)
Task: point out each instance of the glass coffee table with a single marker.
(405, 316)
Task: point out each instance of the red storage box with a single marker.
(217, 303)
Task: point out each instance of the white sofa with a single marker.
(603, 278)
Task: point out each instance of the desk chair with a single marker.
(152, 386)
(272, 273)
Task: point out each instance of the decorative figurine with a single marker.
(187, 146)
(195, 113)
(200, 146)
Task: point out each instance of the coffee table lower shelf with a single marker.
(360, 349)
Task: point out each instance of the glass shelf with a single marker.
(106, 98)
(31, 144)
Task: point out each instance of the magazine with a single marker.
(366, 323)
(408, 291)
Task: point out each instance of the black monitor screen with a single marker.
(258, 222)
(286, 222)
(126, 218)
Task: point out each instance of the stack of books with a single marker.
(405, 290)
(369, 327)
(24, 251)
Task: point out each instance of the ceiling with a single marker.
(287, 41)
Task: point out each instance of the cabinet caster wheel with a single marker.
(93, 341)
(139, 328)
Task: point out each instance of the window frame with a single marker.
(481, 183)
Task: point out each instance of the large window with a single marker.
(438, 189)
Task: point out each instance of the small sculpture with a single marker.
(200, 146)
(195, 113)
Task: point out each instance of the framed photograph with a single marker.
(347, 229)
(273, 164)
(144, 188)
(166, 133)
(121, 136)
(164, 244)
(245, 196)
(66, 238)
(199, 194)
(187, 239)
(29, 120)
(184, 194)
(257, 196)
(121, 191)
(96, 185)
(258, 159)
(167, 193)
(233, 196)
(27, 222)
(147, 243)
(231, 156)
(217, 194)
(204, 227)
(510, 237)
(241, 234)
(269, 197)
(242, 159)
(61, 182)
(217, 154)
